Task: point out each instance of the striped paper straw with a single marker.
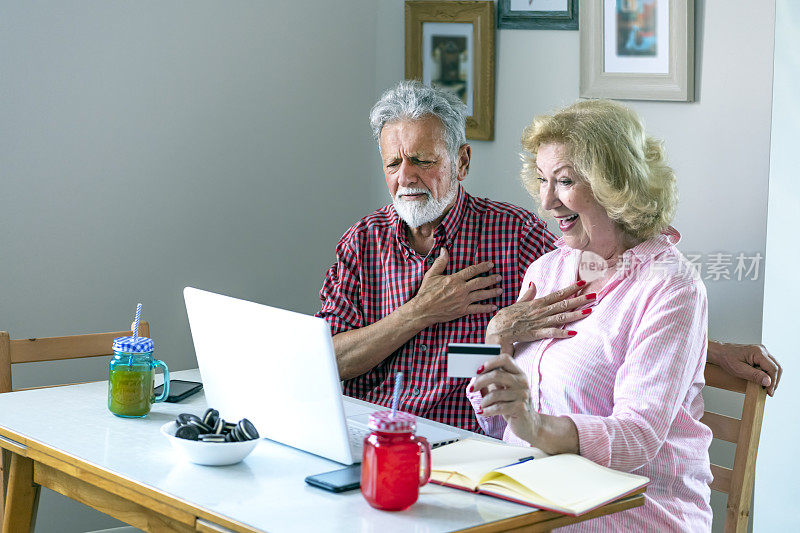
(136, 320)
(398, 385)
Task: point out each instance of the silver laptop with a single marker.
(277, 368)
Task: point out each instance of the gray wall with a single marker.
(719, 145)
(146, 146)
(778, 469)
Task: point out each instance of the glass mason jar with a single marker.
(131, 376)
(390, 470)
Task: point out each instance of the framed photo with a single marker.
(451, 45)
(637, 49)
(537, 14)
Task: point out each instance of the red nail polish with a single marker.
(572, 333)
(480, 410)
(529, 284)
(586, 311)
(480, 369)
(591, 296)
(471, 389)
(581, 283)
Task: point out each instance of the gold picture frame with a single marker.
(617, 61)
(451, 45)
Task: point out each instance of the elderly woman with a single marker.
(623, 389)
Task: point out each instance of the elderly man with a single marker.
(433, 266)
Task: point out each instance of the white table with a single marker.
(65, 438)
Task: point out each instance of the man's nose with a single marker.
(406, 174)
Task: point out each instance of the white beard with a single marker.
(415, 213)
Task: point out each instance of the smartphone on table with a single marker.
(341, 480)
(179, 390)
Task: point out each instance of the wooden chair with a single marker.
(49, 349)
(737, 483)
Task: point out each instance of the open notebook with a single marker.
(565, 483)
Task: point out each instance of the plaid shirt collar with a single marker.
(445, 232)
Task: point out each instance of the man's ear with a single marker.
(464, 155)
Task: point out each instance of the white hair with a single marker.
(412, 100)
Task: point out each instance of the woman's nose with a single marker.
(549, 197)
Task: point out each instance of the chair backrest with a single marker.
(49, 349)
(55, 349)
(737, 482)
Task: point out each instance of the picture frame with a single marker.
(451, 45)
(629, 53)
(547, 15)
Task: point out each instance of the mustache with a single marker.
(401, 191)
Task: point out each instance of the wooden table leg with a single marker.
(5, 464)
(22, 498)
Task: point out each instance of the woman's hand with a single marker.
(505, 391)
(534, 318)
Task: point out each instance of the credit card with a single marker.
(464, 359)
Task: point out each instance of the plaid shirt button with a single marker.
(416, 391)
(423, 348)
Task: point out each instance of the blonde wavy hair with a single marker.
(625, 168)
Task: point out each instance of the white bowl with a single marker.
(208, 453)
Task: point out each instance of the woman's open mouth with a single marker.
(566, 223)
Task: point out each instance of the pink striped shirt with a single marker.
(630, 380)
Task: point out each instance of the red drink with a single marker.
(390, 470)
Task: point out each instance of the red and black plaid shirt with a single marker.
(376, 271)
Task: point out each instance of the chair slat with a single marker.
(723, 427)
(722, 478)
(717, 377)
(58, 348)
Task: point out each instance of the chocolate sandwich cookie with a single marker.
(189, 432)
(184, 418)
(247, 429)
(203, 428)
(212, 437)
(219, 428)
(211, 417)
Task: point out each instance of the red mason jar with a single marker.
(390, 470)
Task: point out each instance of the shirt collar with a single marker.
(643, 251)
(452, 220)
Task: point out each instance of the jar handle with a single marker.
(426, 452)
(165, 393)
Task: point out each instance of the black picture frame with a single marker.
(537, 20)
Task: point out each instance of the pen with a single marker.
(523, 460)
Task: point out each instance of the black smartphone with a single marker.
(348, 478)
(179, 390)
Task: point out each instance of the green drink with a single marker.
(130, 392)
(131, 376)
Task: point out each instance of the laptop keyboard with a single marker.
(357, 433)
